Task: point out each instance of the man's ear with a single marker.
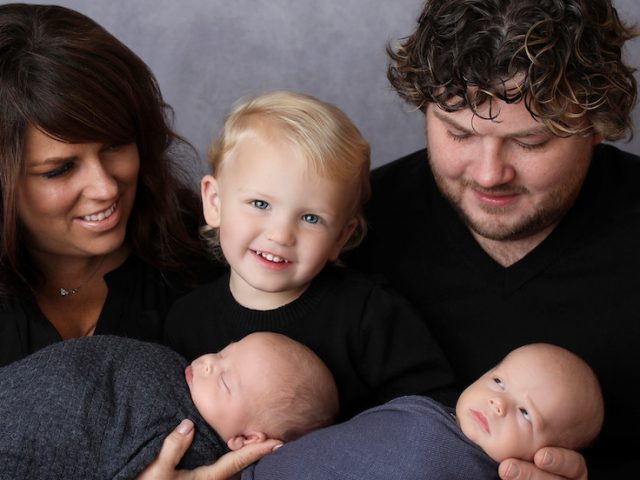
(210, 200)
(239, 441)
(343, 238)
(597, 139)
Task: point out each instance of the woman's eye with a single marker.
(261, 204)
(525, 414)
(111, 147)
(310, 218)
(61, 170)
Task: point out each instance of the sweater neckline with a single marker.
(542, 256)
(287, 314)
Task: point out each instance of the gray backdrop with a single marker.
(208, 53)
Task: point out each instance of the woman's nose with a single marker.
(100, 183)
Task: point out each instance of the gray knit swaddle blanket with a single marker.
(95, 408)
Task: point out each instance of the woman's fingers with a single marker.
(226, 467)
(234, 462)
(172, 451)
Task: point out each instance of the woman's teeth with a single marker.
(97, 217)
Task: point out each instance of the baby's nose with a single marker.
(498, 405)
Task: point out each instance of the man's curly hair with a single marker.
(563, 55)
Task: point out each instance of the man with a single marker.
(517, 225)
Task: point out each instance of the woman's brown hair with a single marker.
(66, 75)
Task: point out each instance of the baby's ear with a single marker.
(239, 441)
(210, 200)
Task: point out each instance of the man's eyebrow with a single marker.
(450, 121)
(533, 131)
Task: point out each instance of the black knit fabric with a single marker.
(95, 408)
(136, 306)
(376, 346)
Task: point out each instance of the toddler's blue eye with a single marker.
(261, 204)
(498, 382)
(311, 218)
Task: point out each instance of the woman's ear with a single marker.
(210, 200)
(237, 442)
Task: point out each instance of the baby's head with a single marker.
(263, 386)
(285, 132)
(538, 395)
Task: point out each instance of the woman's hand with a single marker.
(549, 463)
(226, 467)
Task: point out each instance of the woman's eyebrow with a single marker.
(51, 160)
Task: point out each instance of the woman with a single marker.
(98, 231)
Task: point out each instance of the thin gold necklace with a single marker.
(67, 292)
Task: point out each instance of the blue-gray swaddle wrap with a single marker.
(95, 408)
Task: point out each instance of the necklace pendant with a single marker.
(64, 292)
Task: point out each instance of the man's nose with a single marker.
(492, 166)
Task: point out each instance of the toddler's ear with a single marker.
(342, 239)
(239, 441)
(210, 200)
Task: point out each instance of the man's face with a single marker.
(508, 178)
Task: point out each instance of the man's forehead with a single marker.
(510, 119)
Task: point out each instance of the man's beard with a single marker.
(546, 215)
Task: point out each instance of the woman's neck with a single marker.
(74, 291)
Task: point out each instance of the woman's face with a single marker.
(74, 199)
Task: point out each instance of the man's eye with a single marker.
(310, 218)
(261, 204)
(458, 137)
(531, 146)
(525, 414)
(61, 170)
